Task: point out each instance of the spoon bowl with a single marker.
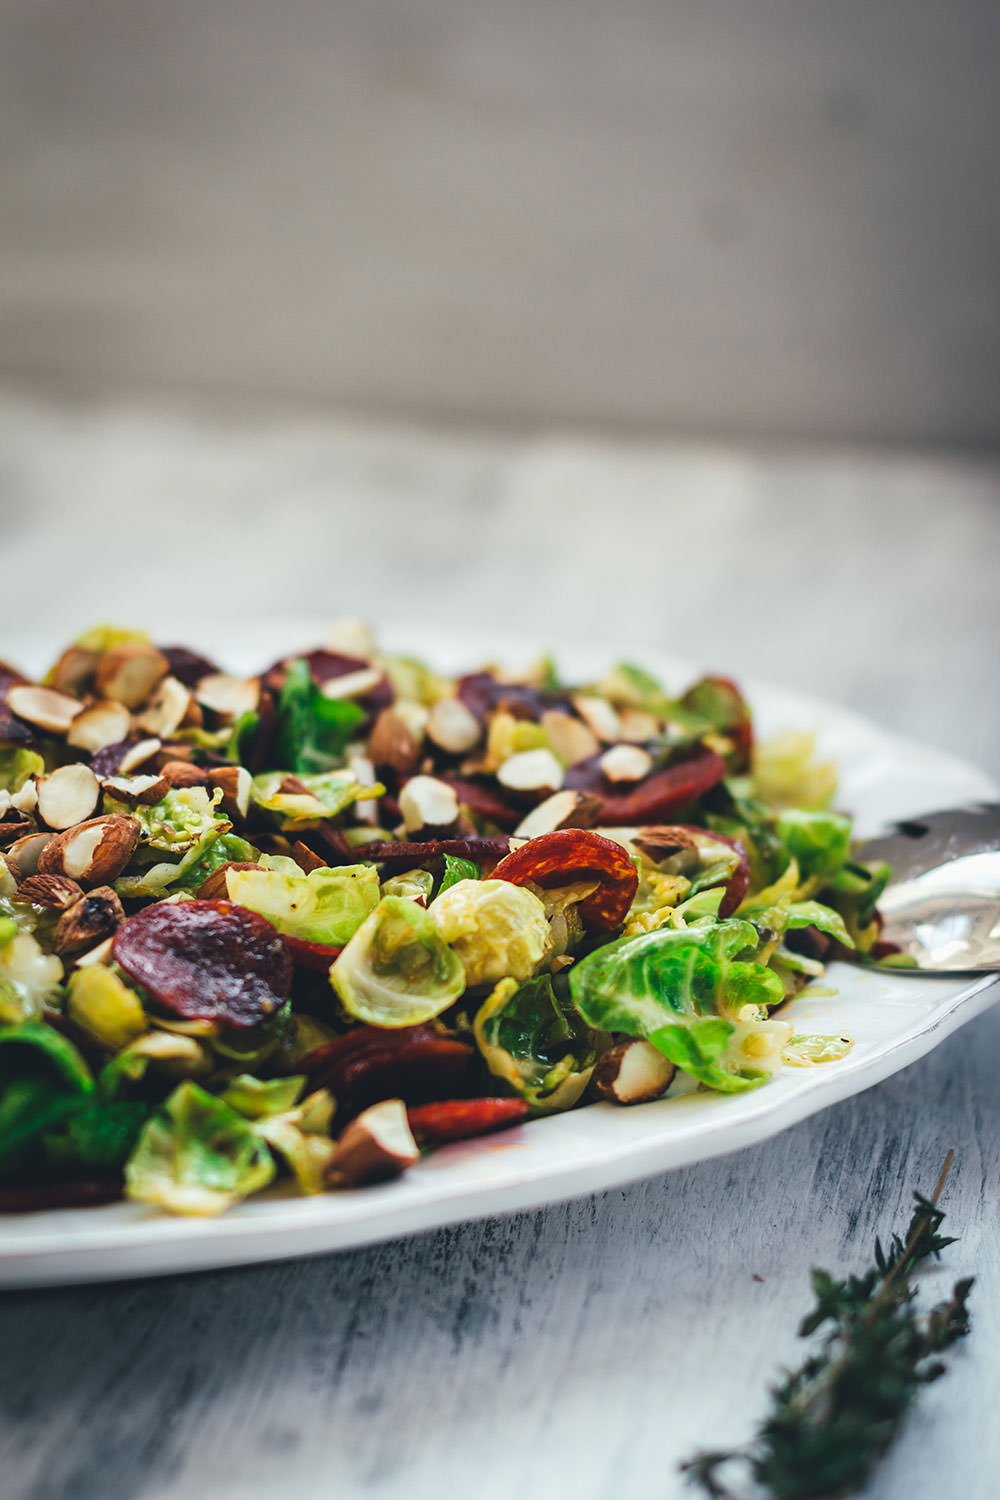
(942, 907)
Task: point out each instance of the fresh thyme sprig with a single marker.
(835, 1415)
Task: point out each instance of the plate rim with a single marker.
(101, 1247)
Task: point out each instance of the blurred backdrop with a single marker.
(749, 220)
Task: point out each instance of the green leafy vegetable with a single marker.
(43, 1079)
(320, 796)
(29, 977)
(325, 906)
(397, 970)
(97, 1138)
(662, 985)
(499, 930)
(197, 1155)
(456, 869)
(313, 730)
(532, 1036)
(819, 842)
(18, 766)
(257, 1097)
(834, 1417)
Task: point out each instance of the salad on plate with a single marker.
(310, 924)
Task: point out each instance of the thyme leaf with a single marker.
(834, 1416)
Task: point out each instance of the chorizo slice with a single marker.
(572, 854)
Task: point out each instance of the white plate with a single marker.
(893, 1021)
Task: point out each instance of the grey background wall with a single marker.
(746, 217)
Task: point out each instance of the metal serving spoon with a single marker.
(943, 905)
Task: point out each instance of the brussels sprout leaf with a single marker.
(197, 1156)
(43, 1079)
(531, 1035)
(313, 730)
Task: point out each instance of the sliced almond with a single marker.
(68, 796)
(453, 726)
(570, 738)
(230, 697)
(566, 809)
(167, 708)
(599, 716)
(102, 954)
(56, 892)
(26, 800)
(426, 802)
(352, 684)
(102, 723)
(351, 638)
(90, 920)
(43, 707)
(94, 853)
(13, 826)
(216, 887)
(129, 673)
(23, 854)
(633, 1073)
(626, 763)
(531, 771)
(363, 771)
(134, 756)
(377, 1145)
(137, 790)
(637, 726)
(235, 783)
(660, 843)
(307, 859)
(392, 743)
(74, 671)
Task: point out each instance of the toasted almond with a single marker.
(626, 763)
(24, 853)
(633, 1073)
(136, 755)
(568, 809)
(167, 708)
(129, 673)
(393, 744)
(570, 738)
(637, 726)
(93, 853)
(74, 672)
(90, 920)
(136, 790)
(426, 802)
(351, 638)
(182, 773)
(234, 783)
(26, 800)
(307, 859)
(54, 891)
(377, 1145)
(662, 842)
(102, 954)
(13, 826)
(531, 771)
(453, 726)
(216, 888)
(352, 684)
(100, 724)
(68, 796)
(43, 707)
(599, 716)
(228, 696)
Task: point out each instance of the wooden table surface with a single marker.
(582, 1349)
